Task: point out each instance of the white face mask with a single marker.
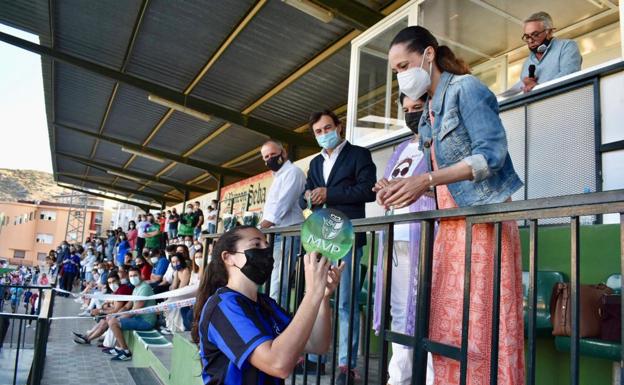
(188, 243)
(124, 281)
(101, 271)
(415, 82)
(114, 286)
(199, 262)
(154, 260)
(135, 281)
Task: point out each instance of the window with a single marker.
(31, 215)
(21, 254)
(47, 239)
(47, 215)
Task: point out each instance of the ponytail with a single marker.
(417, 39)
(215, 276)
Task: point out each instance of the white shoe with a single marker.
(78, 300)
(84, 313)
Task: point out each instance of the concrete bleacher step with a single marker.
(144, 376)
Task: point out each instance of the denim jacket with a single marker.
(467, 127)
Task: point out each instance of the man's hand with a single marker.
(529, 83)
(319, 196)
(266, 224)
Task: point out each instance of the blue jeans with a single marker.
(173, 233)
(295, 242)
(197, 232)
(343, 312)
(135, 323)
(212, 228)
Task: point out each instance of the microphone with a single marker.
(532, 71)
(542, 48)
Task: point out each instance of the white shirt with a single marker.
(213, 214)
(408, 160)
(141, 228)
(330, 160)
(169, 274)
(281, 206)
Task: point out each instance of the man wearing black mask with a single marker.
(282, 209)
(549, 58)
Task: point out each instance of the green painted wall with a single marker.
(600, 257)
(185, 363)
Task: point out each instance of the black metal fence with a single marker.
(22, 342)
(531, 211)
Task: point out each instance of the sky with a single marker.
(23, 124)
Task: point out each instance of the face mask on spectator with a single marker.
(274, 163)
(188, 243)
(114, 286)
(154, 259)
(135, 281)
(101, 271)
(96, 276)
(199, 261)
(189, 211)
(124, 281)
(328, 141)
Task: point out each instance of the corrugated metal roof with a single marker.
(172, 30)
(235, 141)
(182, 131)
(145, 165)
(182, 172)
(275, 43)
(80, 96)
(30, 16)
(67, 141)
(326, 86)
(100, 33)
(111, 153)
(132, 117)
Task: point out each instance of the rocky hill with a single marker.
(27, 184)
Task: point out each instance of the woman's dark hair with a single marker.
(402, 97)
(417, 39)
(185, 251)
(133, 223)
(216, 275)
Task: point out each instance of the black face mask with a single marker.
(274, 163)
(542, 47)
(259, 264)
(412, 119)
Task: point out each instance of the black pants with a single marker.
(140, 245)
(68, 280)
(4, 328)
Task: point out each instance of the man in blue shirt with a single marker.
(160, 264)
(552, 58)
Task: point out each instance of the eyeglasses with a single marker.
(534, 35)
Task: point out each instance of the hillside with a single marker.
(27, 184)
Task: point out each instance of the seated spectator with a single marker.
(160, 264)
(183, 267)
(552, 58)
(117, 288)
(131, 322)
(144, 267)
(128, 258)
(43, 280)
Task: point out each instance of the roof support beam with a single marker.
(355, 14)
(105, 167)
(157, 153)
(100, 180)
(119, 189)
(144, 206)
(254, 124)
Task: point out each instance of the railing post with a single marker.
(369, 306)
(622, 297)
(496, 304)
(575, 299)
(385, 302)
(463, 362)
(532, 300)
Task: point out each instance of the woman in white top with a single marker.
(184, 268)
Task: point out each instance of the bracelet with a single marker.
(431, 185)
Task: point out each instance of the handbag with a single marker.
(589, 315)
(610, 312)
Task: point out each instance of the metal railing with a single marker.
(21, 322)
(531, 211)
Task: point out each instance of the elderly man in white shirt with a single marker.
(282, 209)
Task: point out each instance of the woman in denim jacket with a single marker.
(464, 140)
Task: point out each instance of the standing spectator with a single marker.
(122, 249)
(341, 177)
(132, 235)
(110, 245)
(141, 227)
(88, 264)
(407, 160)
(161, 220)
(174, 218)
(552, 58)
(185, 229)
(71, 268)
(152, 233)
(470, 166)
(211, 216)
(282, 209)
(198, 219)
(131, 322)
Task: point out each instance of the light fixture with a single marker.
(311, 9)
(179, 107)
(123, 175)
(143, 154)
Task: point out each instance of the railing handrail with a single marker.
(523, 206)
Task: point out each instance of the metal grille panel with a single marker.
(515, 127)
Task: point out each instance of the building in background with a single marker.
(30, 229)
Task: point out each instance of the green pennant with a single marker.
(329, 232)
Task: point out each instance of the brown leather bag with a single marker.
(589, 315)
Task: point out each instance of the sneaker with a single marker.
(84, 313)
(81, 340)
(124, 355)
(101, 346)
(344, 372)
(311, 367)
(166, 332)
(77, 334)
(111, 351)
